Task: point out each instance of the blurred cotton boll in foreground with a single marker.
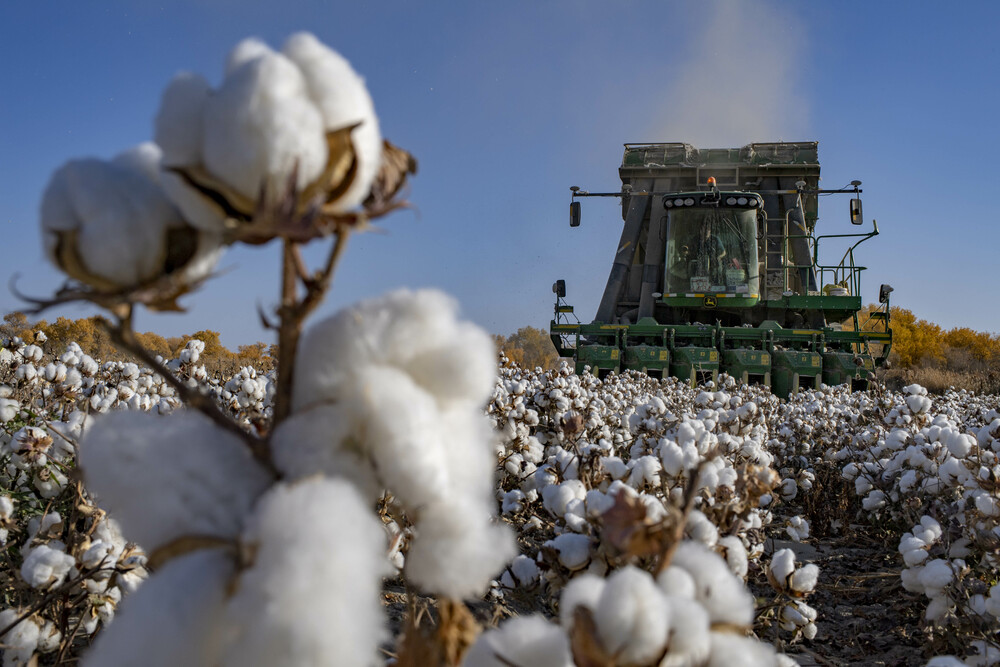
(301, 112)
(163, 478)
(393, 389)
(311, 595)
(110, 225)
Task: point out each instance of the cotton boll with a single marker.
(165, 477)
(105, 224)
(945, 661)
(936, 574)
(173, 619)
(109, 224)
(178, 126)
(312, 594)
(343, 99)
(246, 50)
(781, 567)
(465, 369)
(988, 505)
(701, 529)
(260, 124)
(732, 549)
(584, 590)
(20, 641)
(394, 330)
(527, 641)
(556, 497)
(9, 408)
(399, 427)
(457, 550)
(525, 570)
(690, 639)
(729, 649)
(804, 579)
(632, 616)
(322, 440)
(723, 595)
(677, 582)
(45, 567)
(573, 550)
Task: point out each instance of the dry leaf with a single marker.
(229, 203)
(442, 646)
(185, 544)
(586, 647)
(397, 164)
(572, 425)
(341, 168)
(627, 527)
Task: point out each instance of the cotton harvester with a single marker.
(718, 270)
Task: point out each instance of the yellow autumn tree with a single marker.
(528, 347)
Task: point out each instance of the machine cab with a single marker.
(712, 245)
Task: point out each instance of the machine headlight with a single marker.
(689, 201)
(742, 201)
(678, 202)
(731, 201)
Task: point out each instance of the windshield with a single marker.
(712, 250)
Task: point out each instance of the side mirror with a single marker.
(856, 217)
(559, 288)
(883, 293)
(574, 214)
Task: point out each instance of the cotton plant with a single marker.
(692, 613)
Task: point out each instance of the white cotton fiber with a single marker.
(732, 549)
(311, 596)
(20, 641)
(165, 477)
(804, 579)
(526, 641)
(723, 595)
(457, 550)
(246, 50)
(573, 549)
(45, 567)
(782, 565)
(397, 426)
(689, 641)
(677, 582)
(729, 649)
(119, 215)
(584, 590)
(405, 329)
(179, 122)
(342, 98)
(260, 124)
(322, 440)
(633, 617)
(173, 619)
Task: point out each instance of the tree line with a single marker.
(93, 338)
(922, 351)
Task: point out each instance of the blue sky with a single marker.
(508, 104)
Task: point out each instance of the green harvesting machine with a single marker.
(718, 270)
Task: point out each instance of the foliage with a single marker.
(528, 347)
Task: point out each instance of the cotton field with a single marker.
(391, 495)
(655, 524)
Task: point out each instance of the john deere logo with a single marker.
(711, 302)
